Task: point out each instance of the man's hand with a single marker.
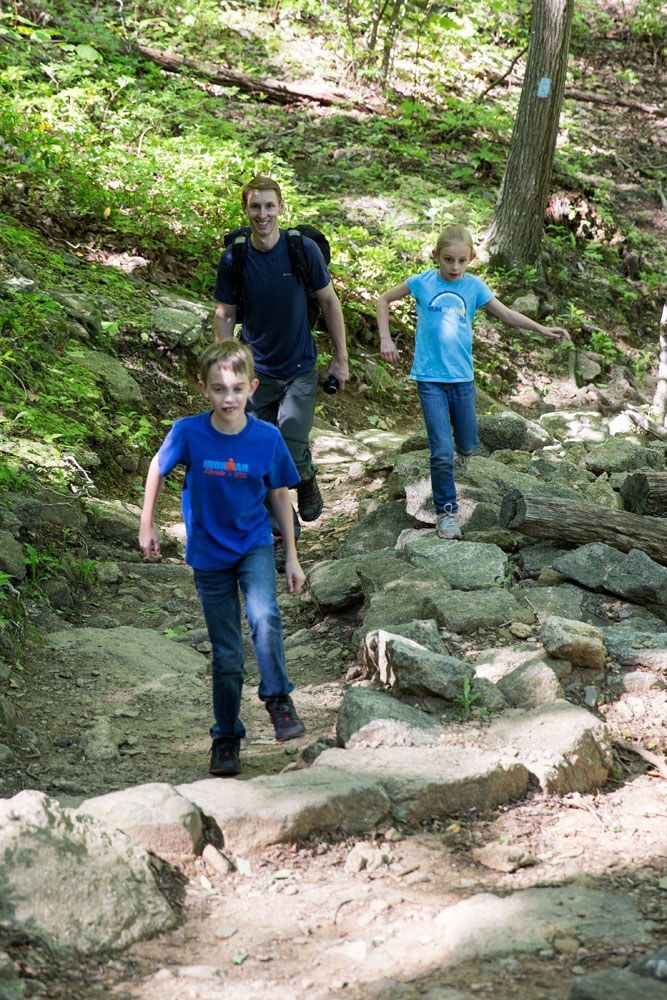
(341, 370)
(294, 575)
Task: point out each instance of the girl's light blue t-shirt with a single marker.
(445, 311)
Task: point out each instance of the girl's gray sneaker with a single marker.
(447, 525)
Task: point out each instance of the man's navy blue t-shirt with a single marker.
(275, 306)
(226, 480)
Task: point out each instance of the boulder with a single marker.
(287, 807)
(498, 662)
(117, 522)
(431, 782)
(378, 530)
(581, 644)
(154, 815)
(617, 454)
(80, 308)
(115, 380)
(335, 585)
(589, 564)
(638, 578)
(616, 984)
(638, 646)
(177, 327)
(424, 633)
(509, 430)
(79, 885)
(530, 685)
(375, 719)
(463, 565)
(410, 669)
(568, 425)
(467, 611)
(566, 748)
(401, 601)
(12, 559)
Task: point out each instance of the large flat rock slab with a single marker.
(567, 748)
(292, 806)
(488, 925)
(372, 719)
(425, 782)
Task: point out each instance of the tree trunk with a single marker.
(515, 233)
(646, 493)
(580, 523)
(658, 408)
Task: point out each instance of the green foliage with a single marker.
(467, 699)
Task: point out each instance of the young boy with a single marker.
(232, 461)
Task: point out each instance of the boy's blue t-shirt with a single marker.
(275, 306)
(227, 478)
(445, 311)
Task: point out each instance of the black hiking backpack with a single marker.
(238, 240)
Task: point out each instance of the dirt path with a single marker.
(327, 919)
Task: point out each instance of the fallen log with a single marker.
(645, 493)
(583, 522)
(274, 91)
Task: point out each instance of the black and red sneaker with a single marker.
(286, 723)
(225, 761)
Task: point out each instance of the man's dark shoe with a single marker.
(279, 555)
(309, 499)
(225, 757)
(286, 722)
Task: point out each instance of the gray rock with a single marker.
(617, 454)
(98, 743)
(401, 601)
(425, 633)
(578, 642)
(566, 748)
(638, 578)
(293, 806)
(47, 507)
(115, 379)
(638, 646)
(464, 565)
(58, 593)
(535, 557)
(335, 585)
(567, 425)
(117, 522)
(108, 573)
(526, 922)
(411, 669)
(487, 695)
(565, 601)
(430, 782)
(530, 685)
(177, 327)
(467, 611)
(80, 308)
(587, 369)
(154, 815)
(373, 719)
(378, 530)
(81, 886)
(591, 696)
(503, 857)
(12, 559)
(485, 517)
(509, 430)
(640, 681)
(410, 467)
(528, 304)
(616, 984)
(377, 569)
(654, 966)
(590, 564)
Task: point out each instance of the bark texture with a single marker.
(646, 493)
(515, 234)
(580, 523)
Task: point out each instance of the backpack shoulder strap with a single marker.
(297, 257)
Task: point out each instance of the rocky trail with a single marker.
(466, 815)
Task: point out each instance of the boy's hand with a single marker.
(556, 331)
(149, 543)
(389, 351)
(294, 576)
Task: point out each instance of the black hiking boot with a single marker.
(286, 722)
(225, 757)
(309, 499)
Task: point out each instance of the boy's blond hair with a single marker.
(454, 234)
(260, 182)
(230, 354)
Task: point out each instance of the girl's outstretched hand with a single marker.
(389, 351)
(294, 576)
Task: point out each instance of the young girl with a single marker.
(447, 299)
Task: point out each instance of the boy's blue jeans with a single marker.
(451, 418)
(218, 592)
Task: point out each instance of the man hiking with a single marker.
(272, 303)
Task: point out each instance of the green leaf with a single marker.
(88, 53)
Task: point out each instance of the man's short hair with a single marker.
(260, 182)
(230, 354)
